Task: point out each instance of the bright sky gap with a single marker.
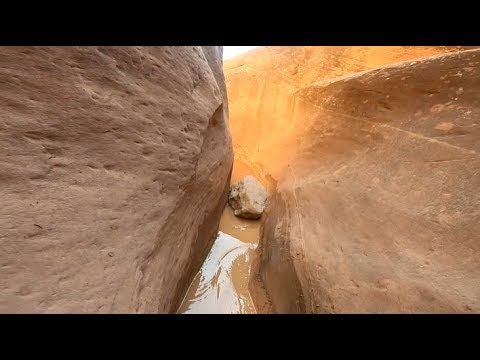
(232, 51)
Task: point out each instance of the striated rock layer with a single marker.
(115, 168)
(374, 174)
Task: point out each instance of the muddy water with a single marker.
(221, 285)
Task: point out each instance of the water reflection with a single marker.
(221, 285)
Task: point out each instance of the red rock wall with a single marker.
(374, 179)
(115, 164)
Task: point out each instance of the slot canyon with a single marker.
(117, 164)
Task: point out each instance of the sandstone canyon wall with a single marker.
(373, 165)
(115, 166)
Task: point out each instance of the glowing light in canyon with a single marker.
(232, 51)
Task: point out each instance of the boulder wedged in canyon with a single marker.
(374, 179)
(247, 198)
(115, 168)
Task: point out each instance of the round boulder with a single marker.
(247, 198)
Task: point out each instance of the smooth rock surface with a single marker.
(115, 167)
(374, 176)
(261, 85)
(248, 198)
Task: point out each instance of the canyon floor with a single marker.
(222, 284)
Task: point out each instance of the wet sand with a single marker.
(221, 285)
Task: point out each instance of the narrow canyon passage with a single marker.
(222, 284)
(120, 169)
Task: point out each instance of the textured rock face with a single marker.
(248, 198)
(375, 204)
(115, 166)
(261, 85)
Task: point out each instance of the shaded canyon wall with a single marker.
(115, 166)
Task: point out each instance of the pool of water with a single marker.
(221, 285)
